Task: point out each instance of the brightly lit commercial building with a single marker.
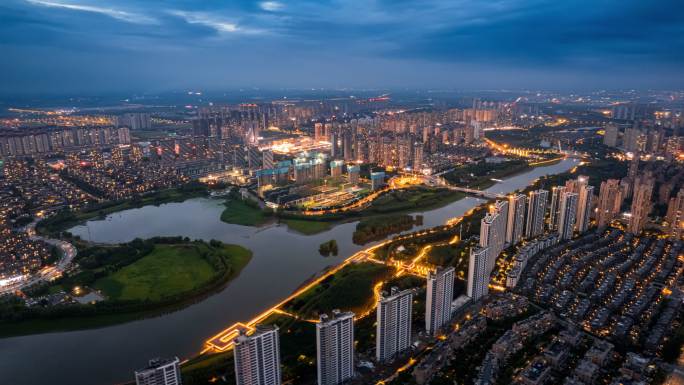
(377, 180)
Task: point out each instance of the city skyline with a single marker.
(341, 192)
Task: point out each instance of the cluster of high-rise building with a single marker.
(257, 356)
(644, 139)
(135, 121)
(46, 141)
(526, 217)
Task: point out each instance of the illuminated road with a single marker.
(47, 273)
(224, 340)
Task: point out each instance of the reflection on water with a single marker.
(282, 261)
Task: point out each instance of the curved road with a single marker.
(47, 273)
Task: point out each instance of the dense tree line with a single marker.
(102, 261)
(373, 229)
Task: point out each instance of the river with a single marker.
(282, 261)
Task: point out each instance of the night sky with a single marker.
(61, 46)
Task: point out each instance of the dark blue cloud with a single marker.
(91, 45)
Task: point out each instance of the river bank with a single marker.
(136, 280)
(63, 220)
(282, 260)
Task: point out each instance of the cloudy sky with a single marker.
(152, 45)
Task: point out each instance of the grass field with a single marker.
(168, 271)
(350, 289)
(239, 212)
(412, 200)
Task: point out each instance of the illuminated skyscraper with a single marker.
(257, 357)
(335, 348)
(440, 293)
(393, 333)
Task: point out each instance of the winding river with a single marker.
(282, 261)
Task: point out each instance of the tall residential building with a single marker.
(584, 206)
(493, 231)
(136, 121)
(516, 218)
(536, 211)
(610, 199)
(554, 211)
(566, 215)
(585, 194)
(440, 293)
(393, 334)
(417, 156)
(318, 132)
(633, 170)
(478, 274)
(641, 204)
(159, 372)
(257, 357)
(631, 139)
(675, 215)
(610, 138)
(335, 347)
